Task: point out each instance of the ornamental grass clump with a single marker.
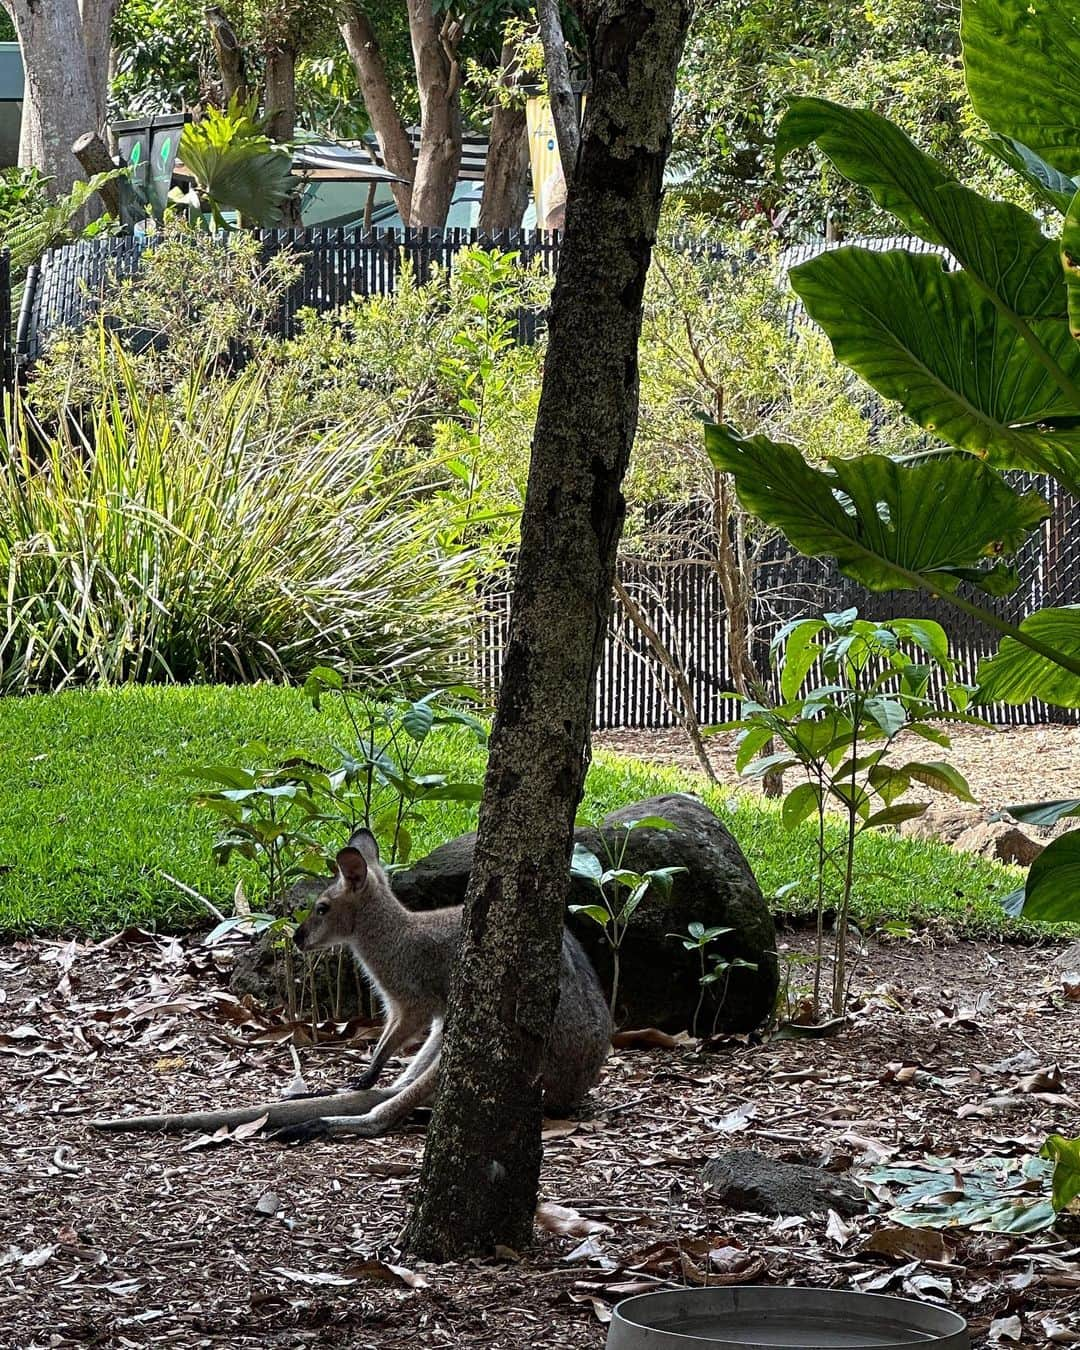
(188, 539)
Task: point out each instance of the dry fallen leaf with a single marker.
(907, 1244)
(386, 1273)
(1005, 1329)
(567, 1222)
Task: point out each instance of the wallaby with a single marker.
(408, 956)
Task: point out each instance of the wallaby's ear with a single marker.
(365, 842)
(353, 868)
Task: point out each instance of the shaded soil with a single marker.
(121, 1241)
(1003, 766)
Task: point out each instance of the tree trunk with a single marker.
(438, 76)
(279, 99)
(59, 104)
(97, 20)
(564, 104)
(390, 131)
(506, 177)
(481, 1167)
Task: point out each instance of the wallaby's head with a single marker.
(334, 915)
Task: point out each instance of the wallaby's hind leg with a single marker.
(375, 1122)
(429, 1051)
(400, 1028)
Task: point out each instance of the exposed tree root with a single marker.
(292, 1111)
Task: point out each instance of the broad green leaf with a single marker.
(777, 763)
(1000, 243)
(597, 913)
(236, 165)
(887, 713)
(647, 823)
(800, 653)
(417, 720)
(454, 792)
(635, 898)
(888, 783)
(750, 742)
(586, 865)
(1017, 674)
(927, 635)
(1020, 61)
(939, 346)
(800, 802)
(1045, 813)
(1052, 893)
(939, 776)
(1053, 188)
(882, 521)
(1065, 1154)
(896, 815)
(929, 733)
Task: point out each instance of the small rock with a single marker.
(747, 1180)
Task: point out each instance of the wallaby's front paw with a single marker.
(303, 1132)
(367, 1079)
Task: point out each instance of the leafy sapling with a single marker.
(698, 938)
(611, 912)
(841, 733)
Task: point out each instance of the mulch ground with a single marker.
(125, 1241)
(1003, 765)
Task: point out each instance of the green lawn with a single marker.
(93, 813)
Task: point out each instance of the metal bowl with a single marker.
(765, 1316)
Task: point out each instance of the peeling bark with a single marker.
(506, 177)
(390, 130)
(60, 103)
(438, 77)
(481, 1165)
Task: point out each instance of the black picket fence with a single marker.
(683, 603)
(335, 265)
(682, 598)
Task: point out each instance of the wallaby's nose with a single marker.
(299, 936)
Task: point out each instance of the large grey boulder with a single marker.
(659, 979)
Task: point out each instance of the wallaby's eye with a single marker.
(322, 908)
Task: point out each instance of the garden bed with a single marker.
(141, 1241)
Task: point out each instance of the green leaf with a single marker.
(925, 634)
(417, 720)
(1045, 813)
(236, 165)
(896, 815)
(1017, 674)
(958, 366)
(597, 913)
(454, 792)
(1065, 1154)
(1052, 893)
(800, 653)
(888, 713)
(1001, 243)
(586, 865)
(1020, 61)
(800, 802)
(882, 521)
(939, 776)
(750, 742)
(635, 898)
(1053, 188)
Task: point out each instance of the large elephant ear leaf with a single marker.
(883, 522)
(1053, 188)
(999, 243)
(1052, 893)
(938, 344)
(1017, 673)
(1020, 62)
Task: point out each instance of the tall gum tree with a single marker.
(481, 1168)
(65, 49)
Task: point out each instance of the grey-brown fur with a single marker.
(408, 957)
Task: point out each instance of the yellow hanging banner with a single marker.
(549, 182)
